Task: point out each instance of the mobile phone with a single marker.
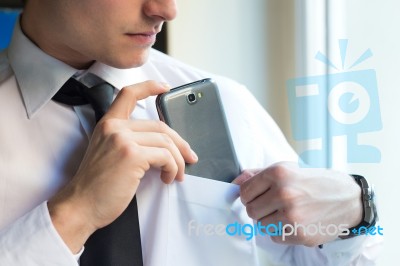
(195, 112)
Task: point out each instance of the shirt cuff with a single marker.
(360, 250)
(33, 240)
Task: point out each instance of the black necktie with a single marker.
(118, 243)
(74, 92)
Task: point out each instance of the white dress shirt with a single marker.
(42, 143)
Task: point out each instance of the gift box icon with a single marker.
(338, 104)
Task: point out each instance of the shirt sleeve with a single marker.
(357, 251)
(32, 240)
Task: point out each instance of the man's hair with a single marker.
(12, 3)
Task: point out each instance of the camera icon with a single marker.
(327, 106)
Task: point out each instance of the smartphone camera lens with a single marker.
(191, 98)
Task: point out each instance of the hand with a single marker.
(292, 195)
(119, 154)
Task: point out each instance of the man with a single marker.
(61, 180)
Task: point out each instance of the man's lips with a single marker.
(143, 38)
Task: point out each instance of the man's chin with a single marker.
(136, 60)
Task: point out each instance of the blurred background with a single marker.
(266, 43)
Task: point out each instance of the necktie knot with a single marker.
(75, 93)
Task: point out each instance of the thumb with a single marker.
(126, 100)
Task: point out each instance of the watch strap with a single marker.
(370, 216)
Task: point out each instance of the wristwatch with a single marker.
(370, 216)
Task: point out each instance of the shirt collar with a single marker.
(40, 76)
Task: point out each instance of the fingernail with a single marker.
(194, 156)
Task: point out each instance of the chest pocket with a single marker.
(199, 212)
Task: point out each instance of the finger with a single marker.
(288, 235)
(162, 140)
(162, 159)
(245, 175)
(263, 205)
(272, 223)
(279, 230)
(282, 231)
(127, 98)
(254, 187)
(158, 126)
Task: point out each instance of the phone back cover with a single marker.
(204, 126)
